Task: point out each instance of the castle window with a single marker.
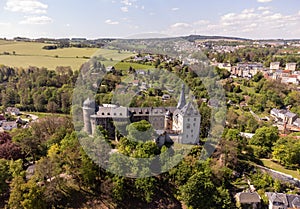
(121, 114)
(195, 119)
(103, 113)
(188, 120)
(108, 113)
(115, 114)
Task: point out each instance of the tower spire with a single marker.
(182, 102)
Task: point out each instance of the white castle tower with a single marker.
(187, 121)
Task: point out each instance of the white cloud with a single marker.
(264, 1)
(179, 28)
(110, 22)
(175, 9)
(126, 2)
(201, 22)
(180, 25)
(263, 8)
(26, 6)
(36, 20)
(124, 9)
(249, 23)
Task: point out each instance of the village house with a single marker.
(246, 70)
(136, 83)
(292, 79)
(140, 72)
(166, 97)
(9, 125)
(226, 66)
(274, 65)
(284, 116)
(248, 200)
(283, 201)
(291, 66)
(12, 111)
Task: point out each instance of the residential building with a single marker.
(248, 200)
(274, 65)
(284, 116)
(283, 201)
(291, 66)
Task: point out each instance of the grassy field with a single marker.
(43, 114)
(31, 54)
(126, 65)
(275, 166)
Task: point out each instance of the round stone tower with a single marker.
(88, 110)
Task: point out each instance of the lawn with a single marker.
(275, 166)
(31, 54)
(43, 114)
(126, 65)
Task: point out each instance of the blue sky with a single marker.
(257, 19)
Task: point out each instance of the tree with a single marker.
(257, 77)
(198, 191)
(8, 149)
(233, 135)
(140, 131)
(52, 107)
(4, 176)
(286, 151)
(265, 137)
(16, 193)
(145, 188)
(16, 185)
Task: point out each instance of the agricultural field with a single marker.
(25, 54)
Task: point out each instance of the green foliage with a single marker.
(140, 131)
(145, 188)
(257, 77)
(265, 137)
(233, 135)
(198, 191)
(262, 181)
(286, 151)
(4, 176)
(16, 193)
(223, 73)
(38, 89)
(35, 141)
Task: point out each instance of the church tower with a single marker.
(181, 102)
(88, 110)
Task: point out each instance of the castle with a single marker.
(181, 123)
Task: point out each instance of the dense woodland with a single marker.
(35, 89)
(65, 177)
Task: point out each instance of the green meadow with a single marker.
(25, 54)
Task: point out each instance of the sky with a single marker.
(255, 19)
